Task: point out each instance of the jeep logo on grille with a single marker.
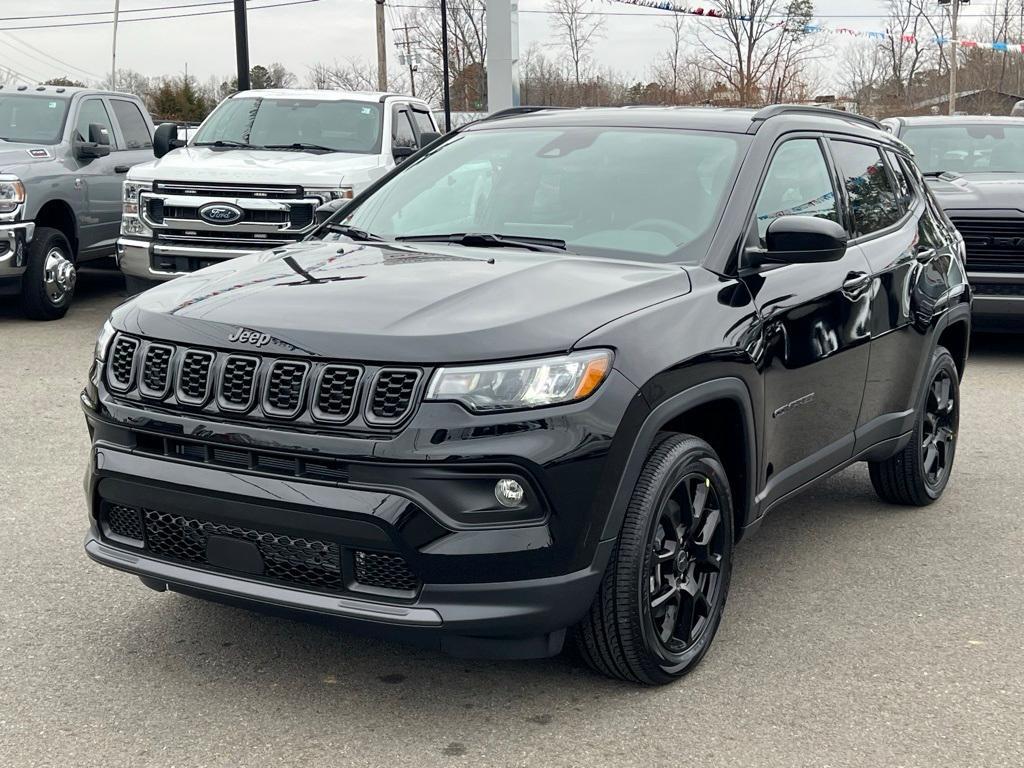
(255, 338)
(220, 213)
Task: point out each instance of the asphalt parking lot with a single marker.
(856, 633)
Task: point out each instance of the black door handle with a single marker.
(856, 282)
(121, 168)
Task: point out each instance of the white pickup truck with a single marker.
(255, 172)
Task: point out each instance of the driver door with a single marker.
(99, 215)
(814, 328)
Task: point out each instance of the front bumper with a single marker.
(487, 586)
(998, 300)
(14, 240)
(158, 262)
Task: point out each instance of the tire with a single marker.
(48, 285)
(624, 633)
(918, 474)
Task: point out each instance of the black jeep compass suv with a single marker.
(539, 380)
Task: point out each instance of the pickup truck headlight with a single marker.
(334, 193)
(12, 193)
(131, 223)
(523, 383)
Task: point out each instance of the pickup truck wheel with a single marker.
(918, 474)
(49, 282)
(662, 595)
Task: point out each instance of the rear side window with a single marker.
(873, 201)
(903, 186)
(798, 184)
(92, 111)
(133, 125)
(422, 120)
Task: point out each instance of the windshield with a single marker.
(968, 148)
(335, 126)
(32, 119)
(619, 192)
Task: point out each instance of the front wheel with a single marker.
(662, 596)
(918, 474)
(49, 282)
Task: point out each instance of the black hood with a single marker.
(979, 191)
(398, 303)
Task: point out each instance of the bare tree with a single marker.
(578, 29)
(668, 70)
(862, 71)
(759, 47)
(467, 51)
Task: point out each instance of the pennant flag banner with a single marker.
(813, 29)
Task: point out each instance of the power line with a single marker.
(52, 59)
(34, 17)
(158, 18)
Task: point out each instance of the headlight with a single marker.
(131, 224)
(12, 193)
(107, 333)
(523, 383)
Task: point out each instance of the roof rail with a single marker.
(513, 111)
(766, 113)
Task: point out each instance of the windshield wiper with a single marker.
(354, 233)
(485, 240)
(226, 143)
(300, 145)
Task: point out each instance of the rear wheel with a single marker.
(918, 474)
(49, 282)
(663, 593)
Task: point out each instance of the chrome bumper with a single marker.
(13, 240)
(134, 257)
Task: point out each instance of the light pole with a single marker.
(242, 45)
(444, 67)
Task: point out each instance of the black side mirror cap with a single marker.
(402, 152)
(328, 209)
(428, 137)
(165, 138)
(800, 240)
(98, 144)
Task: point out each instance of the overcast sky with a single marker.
(300, 35)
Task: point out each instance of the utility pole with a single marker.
(954, 13)
(242, 45)
(410, 60)
(113, 54)
(382, 56)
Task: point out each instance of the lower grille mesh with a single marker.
(378, 569)
(124, 521)
(308, 562)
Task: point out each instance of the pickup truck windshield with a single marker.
(32, 119)
(648, 194)
(967, 147)
(300, 124)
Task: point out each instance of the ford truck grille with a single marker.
(993, 244)
(264, 387)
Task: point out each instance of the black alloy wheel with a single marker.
(919, 473)
(663, 593)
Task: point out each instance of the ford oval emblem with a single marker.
(220, 213)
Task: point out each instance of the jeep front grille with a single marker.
(121, 369)
(379, 569)
(262, 387)
(993, 245)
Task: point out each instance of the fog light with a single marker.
(508, 492)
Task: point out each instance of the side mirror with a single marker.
(428, 137)
(165, 138)
(402, 152)
(801, 240)
(328, 209)
(98, 144)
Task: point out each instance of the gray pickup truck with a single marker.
(64, 153)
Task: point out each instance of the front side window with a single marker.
(422, 120)
(873, 201)
(300, 124)
(619, 192)
(401, 131)
(967, 147)
(32, 119)
(92, 112)
(133, 125)
(798, 183)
